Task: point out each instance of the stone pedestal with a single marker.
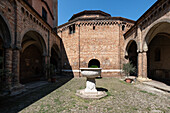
(90, 86)
(90, 92)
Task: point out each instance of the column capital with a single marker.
(17, 48)
(7, 46)
(139, 51)
(46, 55)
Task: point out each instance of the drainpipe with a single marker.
(61, 53)
(79, 50)
(120, 50)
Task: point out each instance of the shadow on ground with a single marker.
(101, 89)
(17, 103)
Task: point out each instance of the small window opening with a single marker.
(157, 54)
(9, 9)
(22, 9)
(44, 14)
(27, 13)
(123, 27)
(72, 29)
(93, 27)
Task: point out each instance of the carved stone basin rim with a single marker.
(90, 72)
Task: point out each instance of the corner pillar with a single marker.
(8, 66)
(46, 59)
(145, 69)
(16, 70)
(140, 65)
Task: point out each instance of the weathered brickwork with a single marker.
(98, 38)
(152, 25)
(23, 27)
(89, 35)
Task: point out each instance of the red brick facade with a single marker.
(100, 36)
(97, 36)
(151, 32)
(23, 28)
(88, 36)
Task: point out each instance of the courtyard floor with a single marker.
(60, 97)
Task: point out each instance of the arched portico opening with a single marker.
(5, 43)
(132, 55)
(159, 58)
(31, 60)
(94, 62)
(55, 57)
(1, 59)
(156, 44)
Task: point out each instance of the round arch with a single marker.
(35, 37)
(157, 27)
(131, 54)
(31, 58)
(127, 45)
(5, 32)
(156, 42)
(56, 49)
(55, 58)
(94, 62)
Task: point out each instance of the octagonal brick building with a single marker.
(93, 37)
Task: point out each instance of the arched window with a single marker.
(44, 14)
(93, 27)
(123, 27)
(94, 63)
(72, 29)
(157, 54)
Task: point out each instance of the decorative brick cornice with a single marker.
(95, 22)
(154, 12)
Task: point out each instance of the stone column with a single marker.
(16, 67)
(46, 61)
(8, 66)
(140, 65)
(144, 64)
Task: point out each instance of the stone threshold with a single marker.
(158, 85)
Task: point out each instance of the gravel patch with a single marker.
(122, 98)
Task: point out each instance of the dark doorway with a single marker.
(133, 55)
(31, 60)
(159, 58)
(94, 62)
(55, 58)
(1, 53)
(31, 64)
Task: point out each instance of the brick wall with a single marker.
(94, 39)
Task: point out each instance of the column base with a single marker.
(17, 89)
(141, 79)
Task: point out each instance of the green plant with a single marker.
(93, 66)
(128, 68)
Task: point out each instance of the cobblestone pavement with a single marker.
(122, 98)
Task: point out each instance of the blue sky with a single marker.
(131, 9)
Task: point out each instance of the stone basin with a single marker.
(91, 72)
(90, 92)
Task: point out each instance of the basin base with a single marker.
(91, 95)
(90, 85)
